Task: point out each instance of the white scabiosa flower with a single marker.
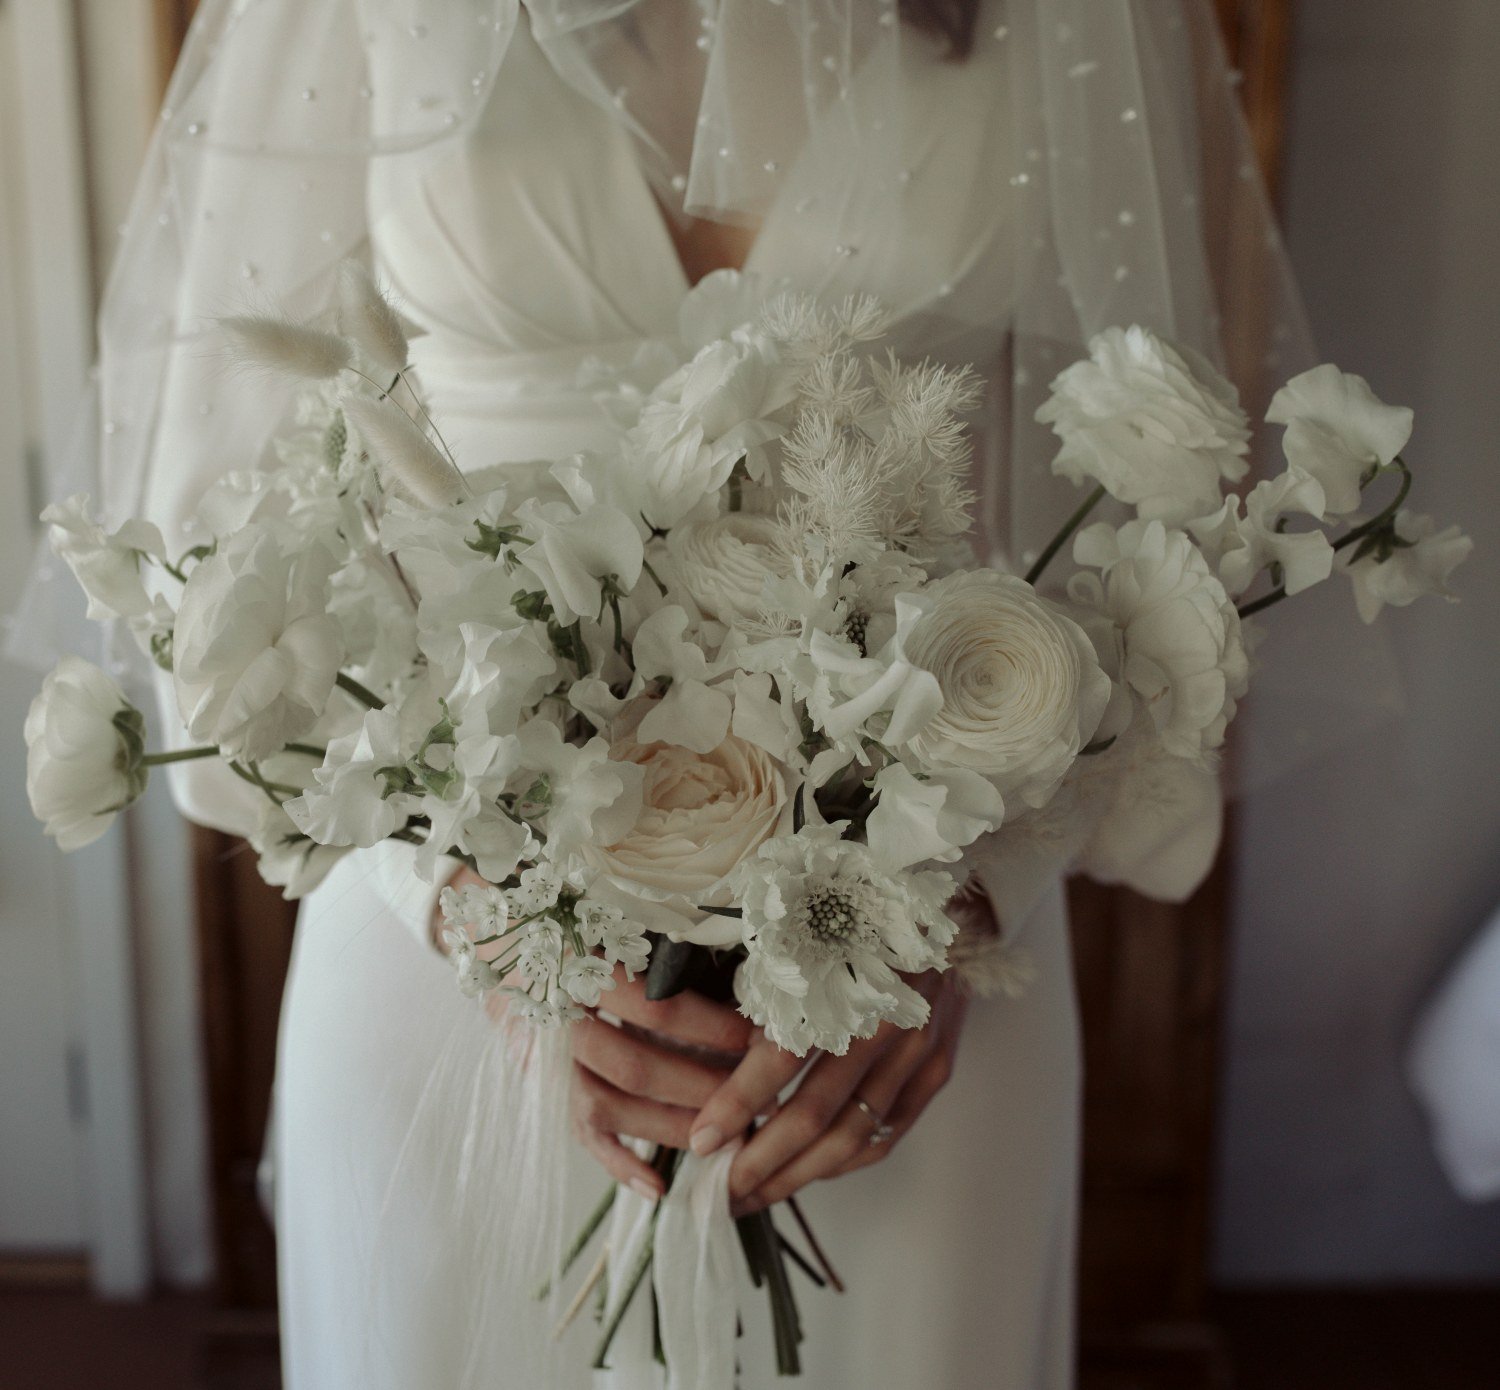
(84, 745)
(1338, 431)
(1418, 562)
(255, 653)
(1180, 646)
(826, 933)
(1155, 425)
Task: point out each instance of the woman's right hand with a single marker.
(626, 1084)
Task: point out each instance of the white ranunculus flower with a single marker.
(1181, 648)
(84, 744)
(726, 563)
(701, 815)
(255, 653)
(1338, 431)
(1021, 685)
(1156, 425)
(826, 934)
(107, 565)
(1421, 566)
(705, 417)
(1241, 547)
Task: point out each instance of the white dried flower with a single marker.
(293, 349)
(366, 316)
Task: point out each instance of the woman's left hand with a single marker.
(822, 1131)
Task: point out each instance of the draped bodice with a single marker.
(536, 242)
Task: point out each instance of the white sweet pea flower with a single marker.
(1022, 690)
(1420, 565)
(583, 794)
(935, 817)
(107, 565)
(1338, 431)
(701, 815)
(887, 696)
(1241, 547)
(505, 672)
(350, 801)
(288, 858)
(725, 564)
(1181, 647)
(465, 815)
(691, 715)
(573, 552)
(826, 932)
(1157, 426)
(255, 653)
(84, 745)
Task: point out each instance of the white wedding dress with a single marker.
(521, 258)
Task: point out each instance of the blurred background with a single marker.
(1264, 1204)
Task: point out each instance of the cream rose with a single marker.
(702, 814)
(726, 563)
(1022, 688)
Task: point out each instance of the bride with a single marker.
(539, 182)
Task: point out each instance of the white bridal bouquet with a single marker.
(734, 693)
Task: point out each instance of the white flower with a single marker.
(887, 696)
(505, 672)
(585, 978)
(1241, 547)
(726, 563)
(84, 744)
(577, 795)
(1159, 820)
(692, 715)
(931, 818)
(1339, 431)
(702, 814)
(464, 811)
(286, 857)
(1157, 426)
(621, 940)
(1419, 566)
(480, 906)
(254, 650)
(106, 564)
(476, 975)
(1021, 685)
(574, 552)
(1181, 648)
(825, 934)
(351, 802)
(703, 419)
(537, 891)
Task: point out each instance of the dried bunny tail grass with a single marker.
(291, 349)
(368, 318)
(406, 455)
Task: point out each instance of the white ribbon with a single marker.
(693, 1272)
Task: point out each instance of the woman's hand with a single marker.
(823, 1132)
(624, 1083)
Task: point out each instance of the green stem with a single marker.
(581, 1240)
(182, 755)
(309, 750)
(1062, 537)
(632, 1285)
(1384, 518)
(366, 697)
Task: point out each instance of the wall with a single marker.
(1363, 875)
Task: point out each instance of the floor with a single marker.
(1299, 1340)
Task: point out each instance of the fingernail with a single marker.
(706, 1140)
(644, 1189)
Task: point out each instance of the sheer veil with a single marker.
(1130, 196)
